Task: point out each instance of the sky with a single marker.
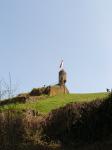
(36, 34)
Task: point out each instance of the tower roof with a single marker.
(62, 71)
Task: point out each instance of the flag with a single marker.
(61, 65)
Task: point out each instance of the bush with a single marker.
(80, 121)
(39, 91)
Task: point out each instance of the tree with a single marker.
(7, 90)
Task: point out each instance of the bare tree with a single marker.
(0, 89)
(7, 90)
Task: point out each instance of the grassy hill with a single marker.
(63, 122)
(46, 104)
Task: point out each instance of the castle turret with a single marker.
(62, 77)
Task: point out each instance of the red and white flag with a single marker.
(61, 65)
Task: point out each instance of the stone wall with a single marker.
(49, 90)
(57, 89)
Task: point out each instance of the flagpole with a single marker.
(61, 65)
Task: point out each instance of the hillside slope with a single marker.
(79, 121)
(82, 125)
(48, 103)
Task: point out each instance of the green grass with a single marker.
(50, 103)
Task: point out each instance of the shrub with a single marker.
(80, 121)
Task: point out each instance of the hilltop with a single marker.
(45, 103)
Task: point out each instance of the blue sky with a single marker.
(36, 34)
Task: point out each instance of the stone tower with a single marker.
(62, 77)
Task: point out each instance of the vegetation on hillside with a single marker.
(46, 104)
(80, 123)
